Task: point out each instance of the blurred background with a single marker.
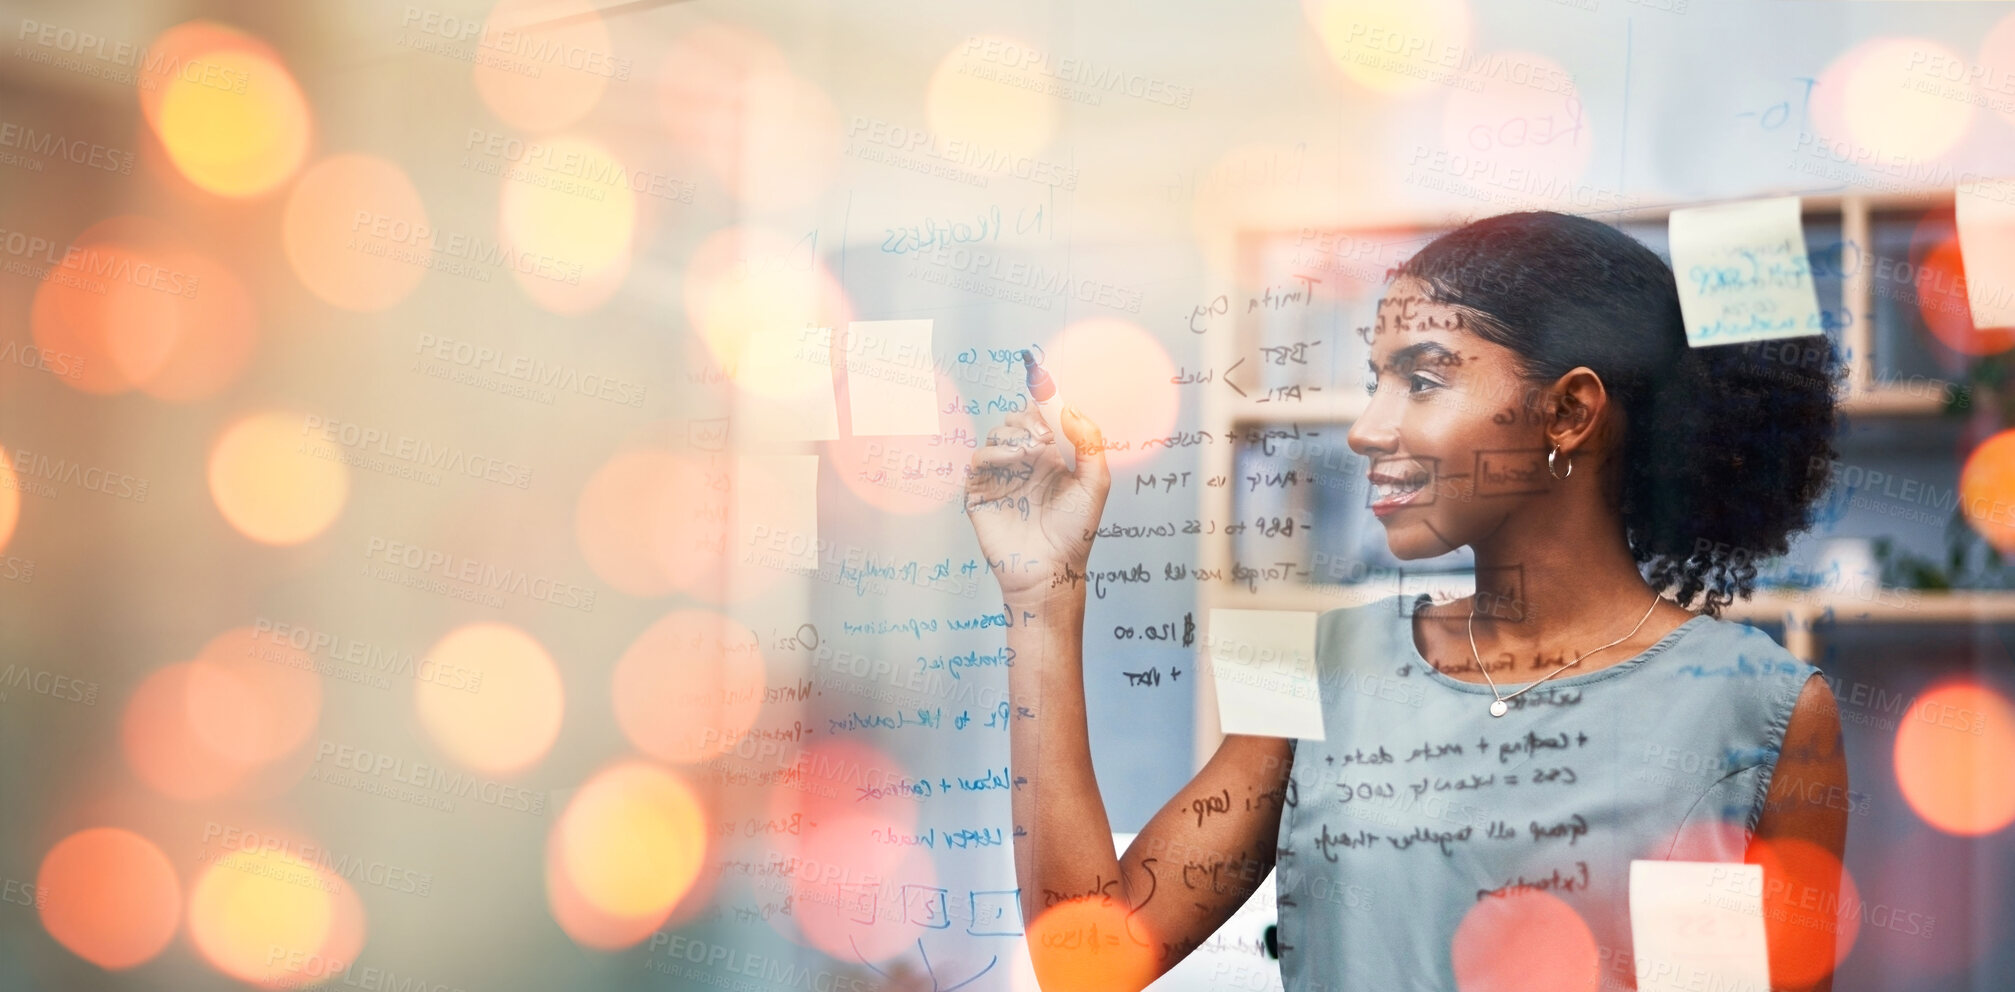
(481, 498)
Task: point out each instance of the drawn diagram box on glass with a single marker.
(1510, 471)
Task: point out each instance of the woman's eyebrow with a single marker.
(1430, 353)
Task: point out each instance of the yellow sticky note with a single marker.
(1985, 211)
(776, 507)
(1263, 665)
(1698, 924)
(1743, 273)
(891, 380)
(784, 383)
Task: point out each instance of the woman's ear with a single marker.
(1579, 398)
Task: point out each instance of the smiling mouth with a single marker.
(1395, 490)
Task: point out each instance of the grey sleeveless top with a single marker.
(1420, 806)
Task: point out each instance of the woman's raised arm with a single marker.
(1096, 919)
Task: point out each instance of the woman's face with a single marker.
(1453, 432)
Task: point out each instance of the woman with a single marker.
(1492, 764)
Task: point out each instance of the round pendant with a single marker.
(1498, 708)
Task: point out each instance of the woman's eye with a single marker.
(1420, 381)
(1370, 386)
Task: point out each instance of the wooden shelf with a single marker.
(1767, 606)
(1801, 613)
(1886, 606)
(1925, 400)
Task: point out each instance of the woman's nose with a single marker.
(1375, 432)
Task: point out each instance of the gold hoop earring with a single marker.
(1549, 464)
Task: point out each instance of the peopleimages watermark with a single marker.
(1016, 281)
(540, 378)
(18, 141)
(52, 685)
(1455, 172)
(480, 581)
(232, 839)
(31, 466)
(456, 252)
(291, 967)
(60, 364)
(76, 264)
(408, 450)
(1438, 60)
(353, 660)
(525, 51)
(574, 170)
(416, 782)
(872, 139)
(1077, 80)
(761, 972)
(1866, 481)
(121, 62)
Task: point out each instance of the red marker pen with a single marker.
(1049, 405)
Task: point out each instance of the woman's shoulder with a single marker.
(1727, 673)
(1721, 648)
(1345, 623)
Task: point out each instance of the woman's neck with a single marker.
(1554, 590)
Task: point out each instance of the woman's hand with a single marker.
(1034, 518)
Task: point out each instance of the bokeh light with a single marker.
(789, 370)
(110, 896)
(690, 686)
(1394, 48)
(1119, 376)
(1090, 945)
(614, 517)
(217, 329)
(962, 105)
(630, 844)
(181, 51)
(1534, 134)
(572, 250)
(511, 717)
(652, 522)
(163, 746)
(729, 97)
(743, 280)
(276, 480)
(1987, 481)
(356, 232)
(543, 64)
(226, 110)
(862, 915)
(252, 699)
(1809, 930)
(138, 307)
(848, 831)
(1940, 279)
(251, 913)
(10, 497)
(1869, 109)
(1996, 62)
(1525, 939)
(1955, 756)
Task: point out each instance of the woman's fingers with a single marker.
(1030, 420)
(1090, 444)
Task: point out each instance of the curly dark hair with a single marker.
(1727, 447)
